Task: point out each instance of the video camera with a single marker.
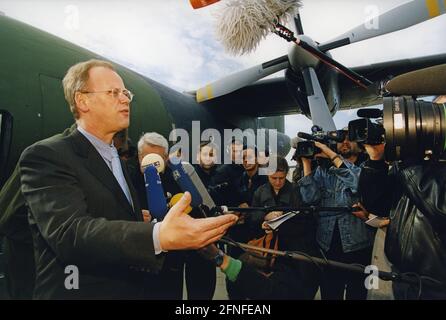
(410, 128)
(308, 149)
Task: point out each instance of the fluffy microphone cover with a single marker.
(242, 24)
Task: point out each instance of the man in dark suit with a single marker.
(89, 237)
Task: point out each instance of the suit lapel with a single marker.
(97, 166)
(133, 194)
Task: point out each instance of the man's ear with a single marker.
(81, 102)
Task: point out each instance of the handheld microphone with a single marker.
(155, 193)
(175, 199)
(155, 160)
(187, 178)
(195, 179)
(182, 179)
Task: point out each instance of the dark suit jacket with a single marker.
(79, 216)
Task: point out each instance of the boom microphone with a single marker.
(243, 24)
(428, 81)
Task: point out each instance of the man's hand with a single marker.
(362, 214)
(273, 215)
(179, 231)
(241, 216)
(208, 252)
(146, 215)
(375, 152)
(326, 151)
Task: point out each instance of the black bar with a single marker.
(274, 62)
(360, 80)
(335, 44)
(288, 209)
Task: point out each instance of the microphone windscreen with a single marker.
(155, 160)
(241, 25)
(428, 81)
(177, 198)
(156, 202)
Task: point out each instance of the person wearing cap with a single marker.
(342, 236)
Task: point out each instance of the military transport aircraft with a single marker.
(32, 105)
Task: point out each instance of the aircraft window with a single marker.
(5, 141)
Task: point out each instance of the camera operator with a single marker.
(413, 193)
(342, 236)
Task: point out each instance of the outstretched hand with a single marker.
(179, 231)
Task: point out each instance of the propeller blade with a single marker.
(240, 79)
(298, 24)
(320, 114)
(429, 81)
(401, 17)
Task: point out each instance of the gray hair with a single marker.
(154, 139)
(76, 80)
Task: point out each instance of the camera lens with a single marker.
(414, 128)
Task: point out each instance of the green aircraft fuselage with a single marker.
(33, 107)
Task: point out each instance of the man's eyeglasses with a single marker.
(115, 93)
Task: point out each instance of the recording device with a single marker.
(307, 149)
(410, 128)
(364, 130)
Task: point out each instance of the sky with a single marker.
(169, 41)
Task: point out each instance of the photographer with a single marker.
(413, 194)
(341, 235)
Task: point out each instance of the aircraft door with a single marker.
(5, 143)
(56, 114)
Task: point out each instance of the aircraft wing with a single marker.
(272, 97)
(355, 97)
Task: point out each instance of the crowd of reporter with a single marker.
(342, 176)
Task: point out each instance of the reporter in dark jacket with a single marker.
(413, 196)
(297, 233)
